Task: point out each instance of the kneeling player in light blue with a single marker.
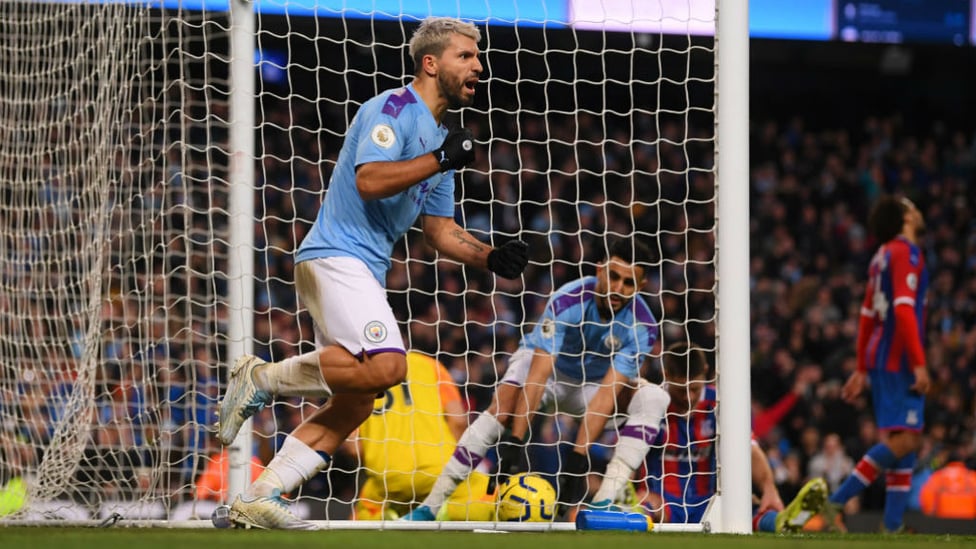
(583, 356)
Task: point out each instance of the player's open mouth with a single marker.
(470, 84)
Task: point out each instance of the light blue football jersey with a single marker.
(395, 125)
(585, 345)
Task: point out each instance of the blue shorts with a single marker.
(896, 405)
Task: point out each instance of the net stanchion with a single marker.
(113, 178)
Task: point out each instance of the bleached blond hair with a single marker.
(434, 34)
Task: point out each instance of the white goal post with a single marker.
(160, 161)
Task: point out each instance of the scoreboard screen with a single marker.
(898, 21)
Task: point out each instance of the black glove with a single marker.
(511, 460)
(457, 150)
(509, 259)
(572, 479)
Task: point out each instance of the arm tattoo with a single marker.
(462, 238)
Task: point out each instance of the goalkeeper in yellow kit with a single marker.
(405, 443)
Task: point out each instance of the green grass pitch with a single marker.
(156, 538)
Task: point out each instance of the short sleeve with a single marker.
(381, 137)
(905, 274)
(440, 201)
(550, 331)
(445, 386)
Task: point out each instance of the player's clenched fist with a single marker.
(457, 151)
(509, 259)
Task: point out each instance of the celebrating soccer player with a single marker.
(584, 355)
(890, 352)
(397, 163)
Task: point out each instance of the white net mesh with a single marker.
(112, 214)
(114, 219)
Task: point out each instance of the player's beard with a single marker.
(606, 308)
(452, 89)
(604, 305)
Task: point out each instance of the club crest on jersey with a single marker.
(612, 342)
(548, 328)
(383, 136)
(375, 331)
(707, 429)
(912, 281)
(912, 417)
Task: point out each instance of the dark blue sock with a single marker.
(899, 485)
(767, 522)
(874, 462)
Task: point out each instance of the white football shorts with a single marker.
(564, 394)
(569, 395)
(348, 306)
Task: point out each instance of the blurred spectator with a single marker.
(831, 462)
(950, 492)
(211, 484)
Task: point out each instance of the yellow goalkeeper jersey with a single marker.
(407, 435)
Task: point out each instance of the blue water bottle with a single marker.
(595, 519)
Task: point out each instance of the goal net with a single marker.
(117, 321)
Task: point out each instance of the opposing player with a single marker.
(396, 164)
(890, 351)
(407, 440)
(583, 356)
(681, 474)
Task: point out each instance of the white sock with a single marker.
(471, 449)
(627, 457)
(293, 465)
(294, 376)
(646, 411)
